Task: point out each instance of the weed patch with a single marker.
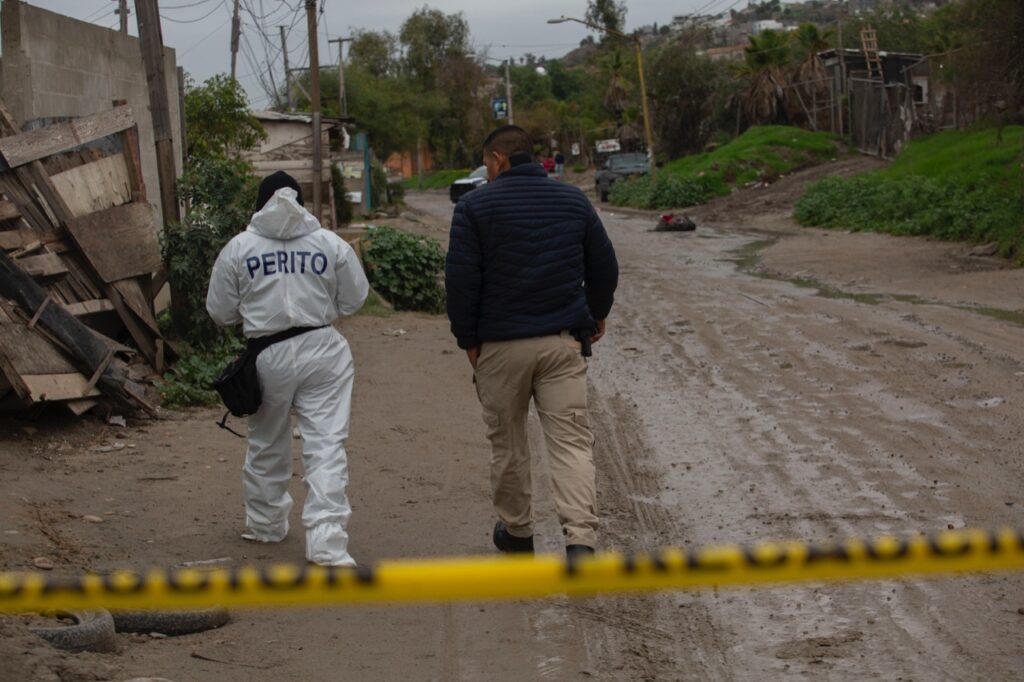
(959, 186)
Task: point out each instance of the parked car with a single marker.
(618, 167)
(477, 178)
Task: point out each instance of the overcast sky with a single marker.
(505, 28)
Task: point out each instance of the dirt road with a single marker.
(757, 381)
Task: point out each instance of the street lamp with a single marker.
(640, 69)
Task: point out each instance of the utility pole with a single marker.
(151, 42)
(236, 31)
(314, 104)
(287, 74)
(342, 96)
(508, 92)
(122, 11)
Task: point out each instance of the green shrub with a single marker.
(667, 191)
(579, 168)
(190, 383)
(220, 193)
(955, 186)
(917, 205)
(406, 269)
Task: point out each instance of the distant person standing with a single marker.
(285, 279)
(549, 164)
(530, 276)
(559, 163)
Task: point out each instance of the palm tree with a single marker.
(764, 67)
(809, 75)
(616, 95)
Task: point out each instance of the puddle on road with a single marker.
(748, 261)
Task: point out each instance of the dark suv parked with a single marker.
(617, 167)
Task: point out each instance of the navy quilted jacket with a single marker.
(528, 256)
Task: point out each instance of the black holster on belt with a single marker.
(239, 384)
(584, 336)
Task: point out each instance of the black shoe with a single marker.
(506, 542)
(576, 552)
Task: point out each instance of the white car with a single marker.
(477, 178)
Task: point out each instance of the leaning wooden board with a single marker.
(121, 242)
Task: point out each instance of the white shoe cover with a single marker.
(327, 545)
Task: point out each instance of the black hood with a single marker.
(274, 182)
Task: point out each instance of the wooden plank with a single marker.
(95, 186)
(120, 242)
(31, 353)
(43, 265)
(133, 162)
(18, 150)
(8, 211)
(80, 406)
(51, 387)
(137, 301)
(99, 305)
(14, 239)
(14, 378)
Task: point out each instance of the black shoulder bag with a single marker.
(239, 384)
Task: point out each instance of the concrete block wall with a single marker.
(54, 65)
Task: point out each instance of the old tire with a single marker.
(171, 623)
(92, 631)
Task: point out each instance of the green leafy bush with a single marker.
(954, 186)
(405, 268)
(220, 193)
(666, 191)
(579, 168)
(190, 383)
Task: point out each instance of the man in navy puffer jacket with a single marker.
(530, 271)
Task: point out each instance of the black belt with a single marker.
(260, 343)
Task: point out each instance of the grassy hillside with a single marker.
(761, 153)
(440, 179)
(956, 185)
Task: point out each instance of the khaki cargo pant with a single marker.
(550, 370)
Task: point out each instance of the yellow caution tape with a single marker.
(521, 577)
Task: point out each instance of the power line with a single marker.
(193, 4)
(104, 10)
(207, 36)
(190, 21)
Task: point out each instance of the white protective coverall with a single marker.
(286, 271)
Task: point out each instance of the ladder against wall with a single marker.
(869, 43)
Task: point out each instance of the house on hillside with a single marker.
(729, 53)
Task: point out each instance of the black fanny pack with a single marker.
(239, 384)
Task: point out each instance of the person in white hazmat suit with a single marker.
(286, 272)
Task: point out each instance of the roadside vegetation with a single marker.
(405, 269)
(761, 154)
(956, 185)
(439, 179)
(218, 189)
